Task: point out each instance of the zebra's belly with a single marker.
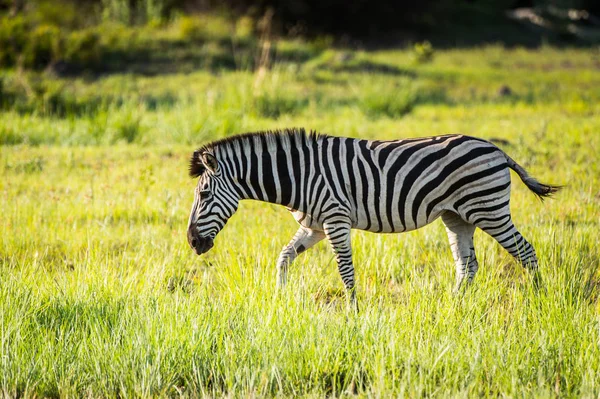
(380, 223)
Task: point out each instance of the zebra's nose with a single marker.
(199, 244)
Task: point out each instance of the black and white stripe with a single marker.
(334, 184)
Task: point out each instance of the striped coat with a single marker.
(334, 184)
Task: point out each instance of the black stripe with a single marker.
(503, 232)
(316, 213)
(254, 182)
(245, 165)
(296, 165)
(507, 221)
(350, 170)
(516, 244)
(485, 219)
(482, 193)
(285, 182)
(487, 209)
(268, 178)
(306, 146)
(336, 153)
(376, 184)
(329, 173)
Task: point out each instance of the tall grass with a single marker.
(100, 295)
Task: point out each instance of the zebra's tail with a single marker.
(540, 189)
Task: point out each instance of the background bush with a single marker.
(83, 48)
(43, 47)
(13, 38)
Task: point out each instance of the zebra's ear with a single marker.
(197, 168)
(210, 162)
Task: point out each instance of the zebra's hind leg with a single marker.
(302, 240)
(338, 233)
(460, 235)
(503, 230)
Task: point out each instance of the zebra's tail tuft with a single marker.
(540, 189)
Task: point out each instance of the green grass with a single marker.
(101, 296)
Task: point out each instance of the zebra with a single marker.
(334, 184)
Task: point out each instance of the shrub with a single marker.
(123, 126)
(43, 46)
(32, 93)
(321, 44)
(66, 14)
(115, 36)
(55, 100)
(13, 36)
(8, 136)
(191, 28)
(423, 52)
(12, 94)
(244, 28)
(212, 27)
(392, 102)
(83, 48)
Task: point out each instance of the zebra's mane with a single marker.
(197, 168)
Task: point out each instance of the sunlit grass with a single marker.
(100, 295)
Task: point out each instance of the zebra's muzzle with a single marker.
(202, 245)
(199, 244)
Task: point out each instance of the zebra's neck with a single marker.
(269, 167)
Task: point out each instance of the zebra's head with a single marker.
(215, 201)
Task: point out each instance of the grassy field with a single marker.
(100, 295)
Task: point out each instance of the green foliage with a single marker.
(273, 104)
(245, 28)
(206, 27)
(188, 43)
(13, 38)
(116, 38)
(43, 47)
(32, 93)
(423, 52)
(83, 48)
(127, 128)
(30, 166)
(392, 101)
(134, 12)
(62, 14)
(191, 28)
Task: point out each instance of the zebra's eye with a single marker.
(205, 194)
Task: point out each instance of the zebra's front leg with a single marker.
(338, 234)
(303, 240)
